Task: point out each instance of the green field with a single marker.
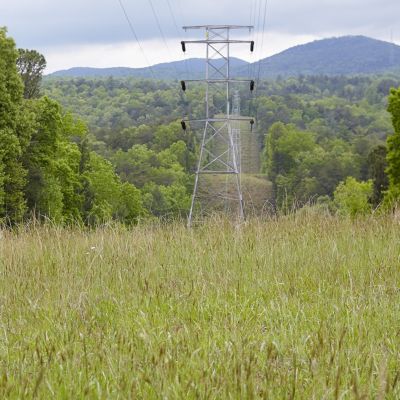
(303, 307)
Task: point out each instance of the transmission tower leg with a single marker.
(196, 181)
(237, 173)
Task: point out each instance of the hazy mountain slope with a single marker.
(348, 55)
(193, 68)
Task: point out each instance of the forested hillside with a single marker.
(347, 55)
(329, 128)
(93, 149)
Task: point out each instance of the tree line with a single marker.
(324, 140)
(313, 131)
(47, 169)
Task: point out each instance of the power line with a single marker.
(259, 50)
(188, 109)
(251, 68)
(162, 34)
(262, 40)
(178, 32)
(136, 37)
(173, 17)
(258, 22)
(180, 7)
(261, 46)
(251, 11)
(255, 15)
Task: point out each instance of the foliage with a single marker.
(377, 165)
(302, 169)
(161, 176)
(393, 145)
(110, 198)
(353, 198)
(12, 140)
(31, 65)
(342, 120)
(328, 128)
(46, 169)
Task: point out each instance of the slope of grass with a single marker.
(219, 192)
(301, 307)
(214, 191)
(250, 151)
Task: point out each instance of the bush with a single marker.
(353, 198)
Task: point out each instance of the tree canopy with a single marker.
(130, 158)
(46, 167)
(31, 65)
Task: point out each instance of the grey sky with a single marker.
(94, 32)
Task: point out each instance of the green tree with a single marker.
(353, 198)
(377, 165)
(393, 146)
(44, 190)
(111, 199)
(31, 65)
(12, 173)
(287, 161)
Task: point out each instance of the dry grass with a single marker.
(304, 307)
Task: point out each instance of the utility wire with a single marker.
(261, 49)
(136, 38)
(162, 35)
(258, 21)
(255, 30)
(183, 19)
(188, 107)
(173, 16)
(250, 24)
(257, 27)
(178, 33)
(255, 22)
(262, 39)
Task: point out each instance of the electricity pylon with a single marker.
(213, 159)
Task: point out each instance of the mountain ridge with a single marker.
(194, 65)
(345, 55)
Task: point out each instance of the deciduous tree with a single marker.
(31, 65)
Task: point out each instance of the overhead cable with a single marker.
(162, 35)
(136, 38)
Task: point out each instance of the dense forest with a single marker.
(47, 169)
(95, 149)
(313, 131)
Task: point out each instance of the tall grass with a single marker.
(303, 307)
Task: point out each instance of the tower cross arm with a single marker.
(210, 41)
(227, 119)
(215, 27)
(219, 80)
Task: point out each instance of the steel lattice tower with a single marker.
(213, 159)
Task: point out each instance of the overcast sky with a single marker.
(95, 32)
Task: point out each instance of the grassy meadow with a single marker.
(303, 307)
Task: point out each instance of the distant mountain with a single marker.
(194, 67)
(347, 55)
